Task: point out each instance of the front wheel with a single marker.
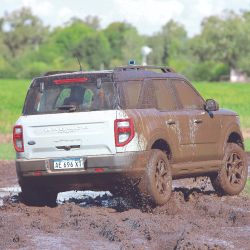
(232, 177)
(157, 183)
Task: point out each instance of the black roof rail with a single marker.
(141, 67)
(56, 72)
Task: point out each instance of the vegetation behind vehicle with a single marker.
(30, 47)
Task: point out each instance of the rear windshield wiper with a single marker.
(70, 108)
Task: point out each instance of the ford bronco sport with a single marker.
(132, 128)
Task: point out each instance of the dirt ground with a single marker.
(194, 218)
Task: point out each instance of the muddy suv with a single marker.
(130, 130)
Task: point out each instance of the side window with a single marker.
(187, 95)
(147, 98)
(165, 98)
(137, 94)
(130, 93)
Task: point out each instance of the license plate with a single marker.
(69, 163)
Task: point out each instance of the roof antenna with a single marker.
(79, 63)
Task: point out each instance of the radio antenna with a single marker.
(79, 63)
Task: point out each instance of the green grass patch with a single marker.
(7, 151)
(247, 187)
(12, 95)
(229, 96)
(247, 145)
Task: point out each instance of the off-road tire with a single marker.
(37, 196)
(156, 186)
(232, 177)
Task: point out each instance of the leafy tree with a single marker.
(244, 44)
(174, 40)
(94, 50)
(223, 39)
(115, 34)
(169, 43)
(28, 48)
(170, 47)
(93, 22)
(22, 30)
(125, 43)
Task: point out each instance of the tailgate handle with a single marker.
(67, 148)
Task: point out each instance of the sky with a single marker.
(148, 16)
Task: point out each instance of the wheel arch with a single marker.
(232, 135)
(235, 137)
(163, 145)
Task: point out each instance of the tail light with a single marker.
(124, 131)
(18, 138)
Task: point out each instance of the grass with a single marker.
(7, 151)
(12, 95)
(230, 96)
(247, 187)
(247, 145)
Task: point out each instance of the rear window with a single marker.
(54, 95)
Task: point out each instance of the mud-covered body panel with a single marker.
(195, 150)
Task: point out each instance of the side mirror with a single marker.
(211, 105)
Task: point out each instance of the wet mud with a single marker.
(194, 218)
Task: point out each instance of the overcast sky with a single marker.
(146, 15)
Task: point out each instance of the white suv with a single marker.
(127, 129)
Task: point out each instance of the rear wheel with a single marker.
(38, 196)
(156, 186)
(232, 177)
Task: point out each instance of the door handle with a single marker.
(197, 121)
(170, 122)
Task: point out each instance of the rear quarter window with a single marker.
(129, 94)
(137, 94)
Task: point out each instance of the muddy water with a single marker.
(194, 218)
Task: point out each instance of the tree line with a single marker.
(29, 48)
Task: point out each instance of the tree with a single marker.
(22, 30)
(125, 42)
(223, 39)
(244, 43)
(170, 47)
(93, 22)
(94, 50)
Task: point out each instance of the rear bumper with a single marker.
(99, 171)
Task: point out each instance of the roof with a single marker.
(141, 72)
(124, 73)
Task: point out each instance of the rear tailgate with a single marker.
(68, 134)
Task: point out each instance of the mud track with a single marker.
(194, 218)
